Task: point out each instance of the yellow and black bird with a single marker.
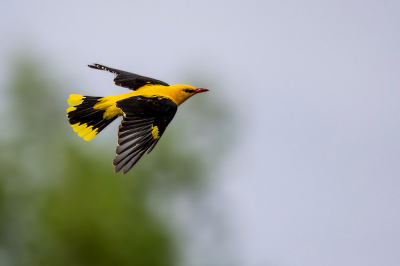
(146, 113)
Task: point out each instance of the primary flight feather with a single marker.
(146, 112)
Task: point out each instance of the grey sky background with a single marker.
(313, 176)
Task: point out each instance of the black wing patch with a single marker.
(144, 123)
(134, 139)
(129, 80)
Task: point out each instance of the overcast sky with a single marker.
(313, 177)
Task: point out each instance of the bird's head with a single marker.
(184, 92)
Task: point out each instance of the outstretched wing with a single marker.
(144, 122)
(129, 80)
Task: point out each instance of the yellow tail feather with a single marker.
(89, 115)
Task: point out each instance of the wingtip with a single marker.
(129, 165)
(116, 169)
(95, 66)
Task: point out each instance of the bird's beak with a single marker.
(199, 90)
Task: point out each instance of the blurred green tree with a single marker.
(61, 203)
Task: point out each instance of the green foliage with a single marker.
(61, 203)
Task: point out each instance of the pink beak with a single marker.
(200, 90)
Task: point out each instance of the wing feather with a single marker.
(135, 134)
(127, 79)
(134, 130)
(132, 124)
(132, 142)
(132, 162)
(152, 146)
(123, 163)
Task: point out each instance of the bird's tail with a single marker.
(90, 115)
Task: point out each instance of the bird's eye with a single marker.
(188, 90)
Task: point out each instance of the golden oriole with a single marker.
(146, 113)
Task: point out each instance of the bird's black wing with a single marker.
(129, 80)
(144, 122)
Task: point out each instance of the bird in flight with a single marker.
(146, 113)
